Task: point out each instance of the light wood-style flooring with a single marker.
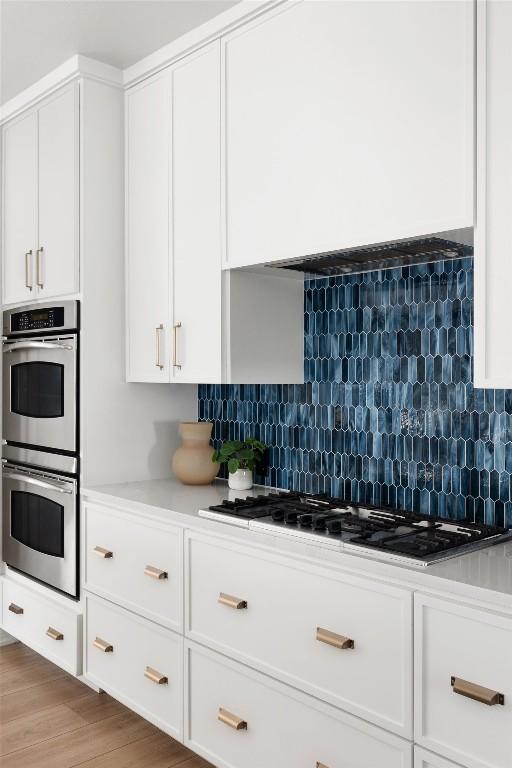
(48, 719)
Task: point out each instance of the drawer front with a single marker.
(136, 662)
(462, 650)
(238, 717)
(44, 625)
(345, 640)
(425, 759)
(136, 564)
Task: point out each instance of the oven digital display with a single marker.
(50, 317)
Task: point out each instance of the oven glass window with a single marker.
(38, 523)
(37, 390)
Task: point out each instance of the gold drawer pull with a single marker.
(16, 609)
(331, 638)
(102, 645)
(232, 720)
(321, 765)
(476, 692)
(155, 676)
(232, 602)
(102, 552)
(155, 573)
(54, 634)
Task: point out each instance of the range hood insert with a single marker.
(374, 258)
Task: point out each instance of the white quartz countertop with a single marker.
(484, 575)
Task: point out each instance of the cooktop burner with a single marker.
(382, 532)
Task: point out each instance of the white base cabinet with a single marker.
(237, 717)
(425, 759)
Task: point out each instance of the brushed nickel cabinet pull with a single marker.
(16, 609)
(102, 552)
(155, 676)
(54, 634)
(331, 638)
(477, 692)
(29, 282)
(158, 361)
(40, 267)
(155, 573)
(232, 602)
(102, 645)
(175, 349)
(232, 720)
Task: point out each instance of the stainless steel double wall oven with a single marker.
(41, 443)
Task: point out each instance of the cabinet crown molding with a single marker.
(73, 68)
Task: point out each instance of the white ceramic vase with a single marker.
(241, 480)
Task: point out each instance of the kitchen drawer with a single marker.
(287, 603)
(424, 759)
(44, 624)
(124, 558)
(455, 643)
(277, 726)
(122, 649)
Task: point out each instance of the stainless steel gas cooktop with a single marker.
(381, 532)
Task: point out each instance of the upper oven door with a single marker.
(39, 392)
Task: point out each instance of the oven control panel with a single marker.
(37, 318)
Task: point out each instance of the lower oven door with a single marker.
(40, 526)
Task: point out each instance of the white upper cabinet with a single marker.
(197, 338)
(40, 200)
(148, 286)
(346, 123)
(493, 265)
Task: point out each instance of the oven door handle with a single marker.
(60, 487)
(15, 346)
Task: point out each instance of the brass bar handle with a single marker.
(155, 677)
(331, 638)
(158, 361)
(231, 601)
(321, 765)
(228, 718)
(477, 692)
(54, 634)
(106, 554)
(175, 347)
(155, 573)
(102, 645)
(29, 281)
(16, 609)
(40, 267)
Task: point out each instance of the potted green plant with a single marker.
(241, 456)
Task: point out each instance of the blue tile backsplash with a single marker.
(388, 413)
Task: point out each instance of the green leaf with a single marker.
(233, 465)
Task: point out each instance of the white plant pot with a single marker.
(241, 480)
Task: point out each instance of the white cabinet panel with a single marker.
(424, 759)
(278, 630)
(458, 648)
(57, 257)
(19, 197)
(283, 727)
(493, 266)
(196, 212)
(148, 127)
(347, 123)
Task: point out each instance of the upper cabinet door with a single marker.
(148, 169)
(19, 208)
(56, 259)
(197, 353)
(347, 123)
(493, 263)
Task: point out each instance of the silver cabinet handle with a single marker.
(29, 282)
(20, 345)
(158, 361)
(175, 350)
(40, 267)
(60, 487)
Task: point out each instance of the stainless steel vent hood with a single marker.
(374, 258)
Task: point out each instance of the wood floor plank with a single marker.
(155, 751)
(41, 726)
(60, 691)
(95, 707)
(15, 655)
(34, 672)
(73, 748)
